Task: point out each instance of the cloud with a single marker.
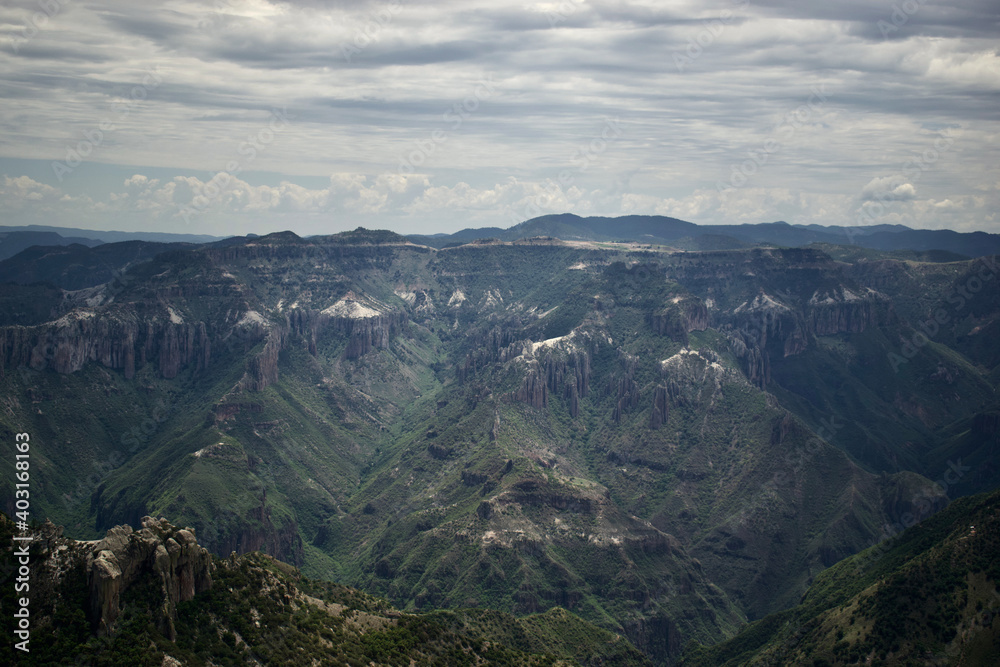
(364, 82)
(888, 188)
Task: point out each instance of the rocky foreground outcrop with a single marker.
(124, 558)
(125, 555)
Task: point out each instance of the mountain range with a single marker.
(661, 434)
(662, 230)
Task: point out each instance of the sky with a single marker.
(228, 117)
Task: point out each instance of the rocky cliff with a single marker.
(533, 390)
(127, 339)
(256, 531)
(124, 556)
(844, 311)
(680, 318)
(123, 559)
(120, 339)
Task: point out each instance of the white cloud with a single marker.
(888, 188)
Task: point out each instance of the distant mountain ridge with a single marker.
(651, 229)
(15, 239)
(12, 243)
(663, 230)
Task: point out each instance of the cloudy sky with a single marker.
(236, 116)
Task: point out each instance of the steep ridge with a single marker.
(657, 229)
(927, 596)
(77, 266)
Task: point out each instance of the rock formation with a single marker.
(532, 391)
(159, 552)
(680, 318)
(120, 340)
(843, 311)
(661, 407)
(124, 556)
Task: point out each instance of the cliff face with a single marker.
(625, 390)
(560, 367)
(661, 407)
(262, 368)
(768, 324)
(843, 311)
(568, 374)
(498, 344)
(175, 309)
(257, 532)
(681, 318)
(369, 333)
(881, 274)
(124, 340)
(119, 340)
(364, 335)
(748, 348)
(373, 331)
(532, 391)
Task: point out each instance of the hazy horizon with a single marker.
(45, 228)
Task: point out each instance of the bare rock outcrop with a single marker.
(158, 555)
(568, 374)
(533, 390)
(842, 310)
(120, 340)
(746, 347)
(262, 368)
(661, 407)
(170, 554)
(683, 316)
(367, 334)
(372, 331)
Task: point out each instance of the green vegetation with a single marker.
(930, 591)
(262, 611)
(663, 444)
